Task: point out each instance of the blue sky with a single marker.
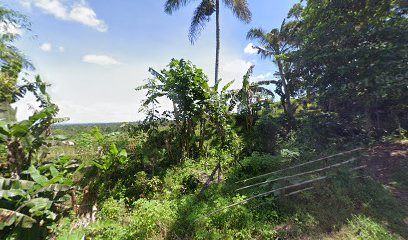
(95, 52)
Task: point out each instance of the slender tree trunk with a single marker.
(202, 136)
(286, 92)
(16, 158)
(217, 36)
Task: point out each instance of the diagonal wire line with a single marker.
(299, 174)
(299, 165)
(266, 193)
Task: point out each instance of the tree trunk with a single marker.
(286, 92)
(16, 158)
(217, 36)
(202, 136)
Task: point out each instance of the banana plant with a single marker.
(113, 158)
(249, 97)
(23, 139)
(30, 202)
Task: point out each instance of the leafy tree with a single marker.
(23, 139)
(353, 56)
(11, 60)
(202, 14)
(199, 112)
(187, 87)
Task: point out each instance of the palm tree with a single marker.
(276, 45)
(202, 15)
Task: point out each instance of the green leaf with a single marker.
(38, 206)
(54, 171)
(21, 129)
(228, 85)
(7, 194)
(96, 164)
(113, 150)
(4, 130)
(123, 156)
(9, 218)
(8, 183)
(123, 153)
(42, 114)
(55, 188)
(36, 176)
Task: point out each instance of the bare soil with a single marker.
(388, 165)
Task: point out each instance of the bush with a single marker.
(263, 136)
(365, 228)
(151, 219)
(111, 209)
(260, 162)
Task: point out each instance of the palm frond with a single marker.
(266, 82)
(228, 85)
(240, 9)
(257, 34)
(200, 18)
(262, 90)
(173, 5)
(264, 52)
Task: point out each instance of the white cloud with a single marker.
(100, 59)
(54, 7)
(249, 49)
(87, 16)
(234, 70)
(61, 49)
(46, 47)
(262, 77)
(77, 11)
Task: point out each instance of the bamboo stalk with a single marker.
(299, 165)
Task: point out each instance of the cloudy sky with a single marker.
(95, 52)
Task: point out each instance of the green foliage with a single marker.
(366, 228)
(348, 57)
(257, 163)
(23, 139)
(200, 113)
(113, 210)
(11, 59)
(112, 159)
(356, 70)
(31, 202)
(249, 98)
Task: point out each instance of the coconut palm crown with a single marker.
(203, 14)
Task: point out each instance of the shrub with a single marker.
(151, 219)
(111, 209)
(365, 228)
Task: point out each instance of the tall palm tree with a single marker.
(202, 15)
(275, 45)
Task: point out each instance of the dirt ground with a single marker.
(388, 164)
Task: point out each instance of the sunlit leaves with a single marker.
(9, 218)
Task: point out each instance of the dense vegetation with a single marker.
(226, 163)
